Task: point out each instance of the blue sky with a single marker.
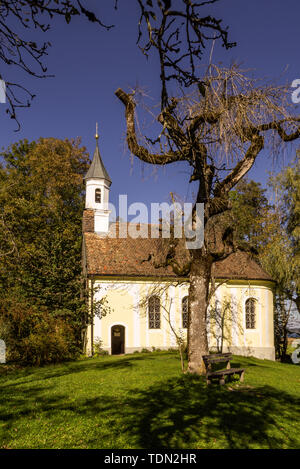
(90, 63)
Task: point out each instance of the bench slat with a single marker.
(231, 371)
(217, 360)
(217, 355)
(212, 355)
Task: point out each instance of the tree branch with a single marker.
(141, 152)
(241, 168)
(16, 50)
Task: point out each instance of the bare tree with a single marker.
(223, 316)
(162, 288)
(17, 17)
(179, 33)
(220, 129)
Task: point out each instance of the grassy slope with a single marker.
(142, 401)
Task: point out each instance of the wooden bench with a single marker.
(209, 360)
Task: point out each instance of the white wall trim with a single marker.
(235, 317)
(267, 312)
(136, 316)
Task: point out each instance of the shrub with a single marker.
(98, 350)
(49, 342)
(36, 337)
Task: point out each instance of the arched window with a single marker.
(184, 312)
(250, 310)
(154, 312)
(98, 196)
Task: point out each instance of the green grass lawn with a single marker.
(143, 401)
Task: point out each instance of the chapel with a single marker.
(146, 307)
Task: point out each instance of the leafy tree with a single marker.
(286, 187)
(271, 232)
(41, 205)
(249, 208)
(280, 255)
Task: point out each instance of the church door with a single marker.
(117, 340)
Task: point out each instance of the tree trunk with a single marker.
(198, 302)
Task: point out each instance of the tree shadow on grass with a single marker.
(180, 412)
(185, 413)
(32, 374)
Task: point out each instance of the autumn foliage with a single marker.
(41, 204)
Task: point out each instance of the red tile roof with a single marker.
(129, 257)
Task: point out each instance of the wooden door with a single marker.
(117, 340)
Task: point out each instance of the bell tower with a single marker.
(98, 184)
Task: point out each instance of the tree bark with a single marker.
(198, 302)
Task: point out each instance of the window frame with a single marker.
(155, 311)
(185, 304)
(98, 193)
(252, 320)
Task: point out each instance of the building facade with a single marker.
(138, 306)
